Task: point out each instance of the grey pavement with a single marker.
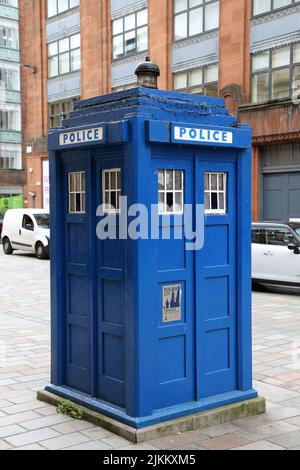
(28, 424)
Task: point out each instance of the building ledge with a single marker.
(266, 105)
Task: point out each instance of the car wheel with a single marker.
(40, 251)
(7, 248)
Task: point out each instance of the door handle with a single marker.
(20, 232)
(268, 253)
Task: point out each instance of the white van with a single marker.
(27, 230)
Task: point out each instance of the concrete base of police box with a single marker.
(193, 422)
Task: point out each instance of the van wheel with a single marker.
(7, 248)
(40, 251)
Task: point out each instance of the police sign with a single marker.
(198, 135)
(83, 136)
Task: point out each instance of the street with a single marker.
(26, 423)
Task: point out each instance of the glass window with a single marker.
(55, 7)
(215, 193)
(274, 73)
(193, 17)
(64, 56)
(77, 192)
(170, 191)
(202, 81)
(130, 34)
(60, 110)
(112, 189)
(280, 237)
(259, 237)
(261, 7)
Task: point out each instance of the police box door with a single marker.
(216, 275)
(76, 290)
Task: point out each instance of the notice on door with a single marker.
(172, 303)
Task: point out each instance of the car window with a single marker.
(28, 223)
(43, 220)
(259, 236)
(280, 237)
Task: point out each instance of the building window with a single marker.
(77, 192)
(64, 56)
(193, 17)
(59, 111)
(11, 3)
(130, 34)
(55, 7)
(261, 7)
(9, 36)
(10, 120)
(274, 72)
(10, 157)
(202, 81)
(112, 188)
(215, 193)
(170, 191)
(9, 78)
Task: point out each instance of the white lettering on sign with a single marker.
(193, 134)
(81, 137)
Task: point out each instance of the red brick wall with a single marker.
(34, 53)
(95, 47)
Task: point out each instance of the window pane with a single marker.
(161, 202)
(170, 202)
(207, 201)
(297, 53)
(142, 18)
(281, 3)
(52, 49)
(118, 26)
(180, 5)
(280, 83)
(178, 180)
(161, 181)
(281, 57)
(214, 182)
(130, 42)
(261, 6)
(142, 39)
(117, 46)
(169, 180)
(75, 41)
(178, 202)
(211, 73)
(296, 76)
(62, 5)
(64, 45)
(260, 88)
(196, 21)
(260, 62)
(195, 3)
(212, 16)
(51, 8)
(180, 81)
(64, 63)
(195, 77)
(53, 66)
(279, 237)
(207, 182)
(129, 22)
(180, 26)
(75, 60)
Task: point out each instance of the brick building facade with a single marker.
(247, 51)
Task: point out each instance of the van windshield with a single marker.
(43, 220)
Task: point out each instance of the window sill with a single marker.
(265, 104)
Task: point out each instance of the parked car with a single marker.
(276, 253)
(27, 230)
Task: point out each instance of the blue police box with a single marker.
(146, 329)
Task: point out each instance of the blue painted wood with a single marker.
(110, 348)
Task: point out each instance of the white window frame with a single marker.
(81, 191)
(210, 191)
(109, 190)
(174, 191)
